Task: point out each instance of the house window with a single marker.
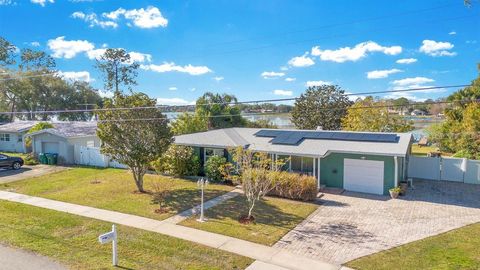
(19, 138)
(210, 152)
(4, 137)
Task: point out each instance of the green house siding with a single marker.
(331, 169)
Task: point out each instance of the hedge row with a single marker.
(294, 186)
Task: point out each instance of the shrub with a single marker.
(294, 186)
(213, 168)
(30, 159)
(178, 161)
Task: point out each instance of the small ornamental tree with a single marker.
(134, 137)
(214, 167)
(253, 170)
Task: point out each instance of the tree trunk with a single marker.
(138, 177)
(250, 210)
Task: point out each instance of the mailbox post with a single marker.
(111, 237)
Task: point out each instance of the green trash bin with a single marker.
(49, 159)
(54, 159)
(42, 158)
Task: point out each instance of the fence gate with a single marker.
(448, 169)
(90, 156)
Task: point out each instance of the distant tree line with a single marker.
(29, 82)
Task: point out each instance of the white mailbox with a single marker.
(110, 237)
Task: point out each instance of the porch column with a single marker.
(314, 167)
(290, 164)
(395, 160)
(318, 173)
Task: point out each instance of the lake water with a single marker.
(283, 121)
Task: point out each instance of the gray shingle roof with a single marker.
(17, 126)
(233, 137)
(71, 129)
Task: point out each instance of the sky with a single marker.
(262, 49)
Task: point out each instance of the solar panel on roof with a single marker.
(290, 137)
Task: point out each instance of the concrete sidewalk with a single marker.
(265, 254)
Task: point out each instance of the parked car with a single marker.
(10, 162)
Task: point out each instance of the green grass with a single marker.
(115, 191)
(422, 151)
(457, 249)
(72, 241)
(274, 217)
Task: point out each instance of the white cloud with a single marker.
(317, 83)
(35, 44)
(42, 2)
(76, 76)
(279, 92)
(406, 61)
(452, 33)
(62, 48)
(140, 57)
(218, 78)
(412, 81)
(283, 68)
(173, 88)
(377, 74)
(174, 101)
(356, 53)
(7, 2)
(434, 48)
(290, 79)
(105, 94)
(169, 67)
(301, 61)
(151, 17)
(272, 74)
(95, 54)
(93, 20)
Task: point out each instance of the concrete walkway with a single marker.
(264, 254)
(16, 259)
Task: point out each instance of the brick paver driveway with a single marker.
(352, 225)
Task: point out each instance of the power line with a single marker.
(275, 113)
(228, 103)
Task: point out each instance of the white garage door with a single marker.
(363, 175)
(50, 147)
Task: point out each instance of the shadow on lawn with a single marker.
(264, 213)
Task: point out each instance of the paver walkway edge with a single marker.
(266, 254)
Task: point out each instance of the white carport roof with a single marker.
(245, 137)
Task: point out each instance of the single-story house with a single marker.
(11, 135)
(63, 138)
(370, 162)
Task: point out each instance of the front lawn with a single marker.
(113, 189)
(457, 249)
(274, 217)
(72, 240)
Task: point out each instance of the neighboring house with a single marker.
(12, 135)
(63, 139)
(417, 113)
(367, 162)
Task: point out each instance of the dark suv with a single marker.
(10, 162)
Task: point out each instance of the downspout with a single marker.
(395, 160)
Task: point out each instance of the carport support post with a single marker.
(395, 160)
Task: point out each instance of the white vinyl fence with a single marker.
(448, 169)
(91, 156)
